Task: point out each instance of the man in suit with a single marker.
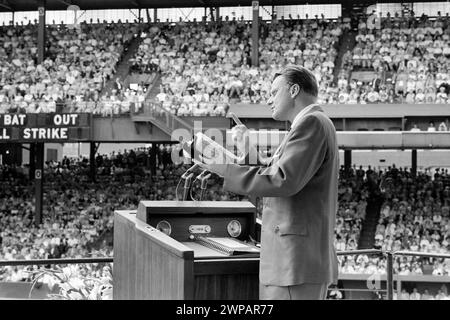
(299, 185)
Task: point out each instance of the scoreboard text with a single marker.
(32, 127)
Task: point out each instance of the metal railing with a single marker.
(164, 119)
(37, 262)
(389, 255)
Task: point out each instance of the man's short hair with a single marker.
(295, 74)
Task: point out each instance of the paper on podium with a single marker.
(229, 246)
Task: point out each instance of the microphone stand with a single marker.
(187, 185)
(204, 182)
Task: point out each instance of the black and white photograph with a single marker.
(224, 156)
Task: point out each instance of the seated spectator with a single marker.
(431, 127)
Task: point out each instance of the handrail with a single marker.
(152, 85)
(356, 252)
(164, 117)
(34, 262)
(421, 254)
(178, 119)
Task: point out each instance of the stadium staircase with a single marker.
(346, 43)
(155, 115)
(369, 226)
(123, 67)
(154, 88)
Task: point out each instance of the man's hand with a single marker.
(214, 165)
(241, 136)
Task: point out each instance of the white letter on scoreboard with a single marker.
(74, 119)
(57, 119)
(63, 133)
(7, 119)
(26, 133)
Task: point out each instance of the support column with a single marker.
(217, 13)
(41, 31)
(347, 160)
(155, 15)
(390, 276)
(92, 163)
(414, 162)
(38, 182)
(32, 160)
(255, 34)
(153, 158)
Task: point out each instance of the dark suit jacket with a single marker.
(300, 203)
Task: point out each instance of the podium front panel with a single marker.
(151, 264)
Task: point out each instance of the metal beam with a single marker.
(92, 162)
(38, 183)
(29, 5)
(5, 4)
(97, 145)
(41, 30)
(66, 2)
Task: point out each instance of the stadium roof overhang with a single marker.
(32, 5)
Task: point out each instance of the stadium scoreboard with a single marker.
(45, 127)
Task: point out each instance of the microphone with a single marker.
(200, 176)
(204, 182)
(187, 184)
(203, 178)
(188, 171)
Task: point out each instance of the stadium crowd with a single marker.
(414, 216)
(353, 193)
(201, 64)
(205, 66)
(442, 294)
(78, 213)
(408, 57)
(77, 64)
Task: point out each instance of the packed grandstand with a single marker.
(200, 68)
(79, 213)
(205, 66)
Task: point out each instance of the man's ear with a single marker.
(295, 89)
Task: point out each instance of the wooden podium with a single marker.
(150, 264)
